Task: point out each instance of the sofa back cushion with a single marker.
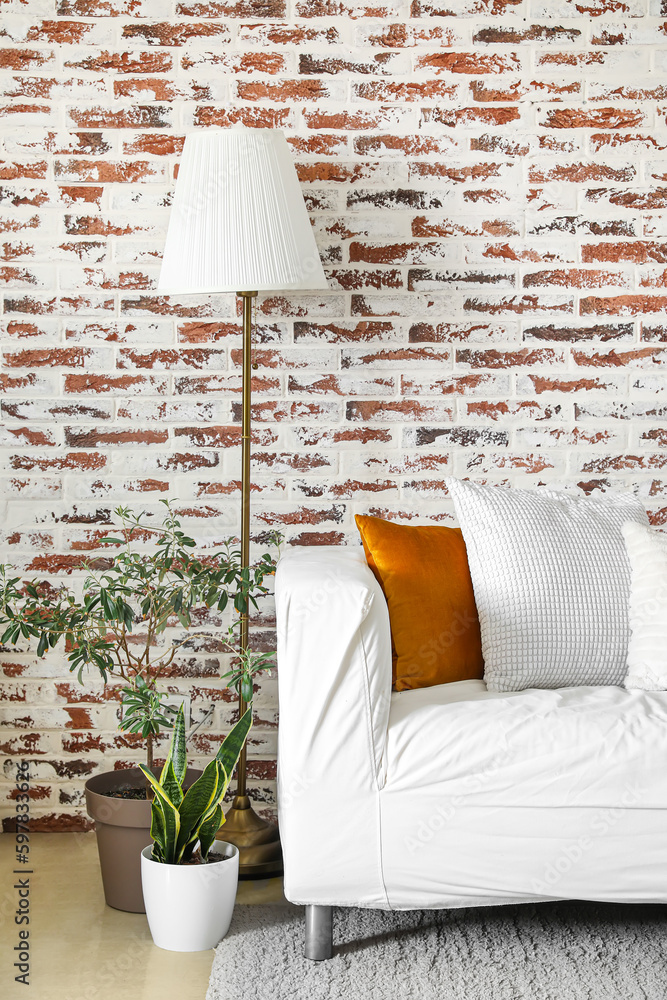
(552, 579)
(423, 572)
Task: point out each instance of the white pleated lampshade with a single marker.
(239, 222)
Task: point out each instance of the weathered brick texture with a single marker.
(488, 187)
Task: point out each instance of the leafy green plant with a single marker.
(181, 819)
(143, 711)
(153, 580)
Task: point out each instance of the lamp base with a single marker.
(258, 841)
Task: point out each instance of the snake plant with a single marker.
(181, 819)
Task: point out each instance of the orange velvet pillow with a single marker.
(423, 572)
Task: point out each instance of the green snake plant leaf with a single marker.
(171, 817)
(158, 829)
(208, 830)
(176, 753)
(200, 799)
(171, 785)
(231, 746)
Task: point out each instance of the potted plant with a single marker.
(189, 891)
(135, 613)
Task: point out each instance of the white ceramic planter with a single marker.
(189, 907)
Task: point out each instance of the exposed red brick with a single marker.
(155, 144)
(249, 117)
(338, 333)
(616, 359)
(139, 116)
(519, 306)
(639, 252)
(440, 8)
(598, 118)
(526, 357)
(600, 140)
(30, 170)
(397, 411)
(578, 173)
(486, 95)
(460, 116)
(498, 144)
(65, 357)
(474, 63)
(574, 278)
(136, 61)
(80, 461)
(220, 437)
(165, 33)
(622, 305)
(411, 145)
(639, 200)
(287, 90)
(542, 383)
(52, 823)
(121, 384)
(318, 538)
(380, 90)
(25, 59)
(106, 171)
(565, 334)
(654, 333)
(236, 8)
(100, 437)
(536, 32)
(422, 226)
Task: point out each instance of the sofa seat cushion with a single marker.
(544, 794)
(592, 746)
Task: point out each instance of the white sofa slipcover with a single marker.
(451, 795)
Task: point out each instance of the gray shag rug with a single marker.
(551, 951)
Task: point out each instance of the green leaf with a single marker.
(208, 829)
(7, 634)
(171, 784)
(246, 688)
(200, 799)
(158, 827)
(176, 755)
(172, 820)
(230, 749)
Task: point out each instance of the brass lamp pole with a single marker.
(260, 854)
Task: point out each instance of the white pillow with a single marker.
(552, 579)
(647, 651)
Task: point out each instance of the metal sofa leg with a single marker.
(319, 932)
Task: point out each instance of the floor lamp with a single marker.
(239, 224)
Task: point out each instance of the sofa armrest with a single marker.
(334, 655)
(334, 682)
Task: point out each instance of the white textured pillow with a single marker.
(647, 650)
(552, 579)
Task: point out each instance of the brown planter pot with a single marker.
(123, 830)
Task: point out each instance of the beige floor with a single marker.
(82, 949)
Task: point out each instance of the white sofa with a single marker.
(449, 796)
